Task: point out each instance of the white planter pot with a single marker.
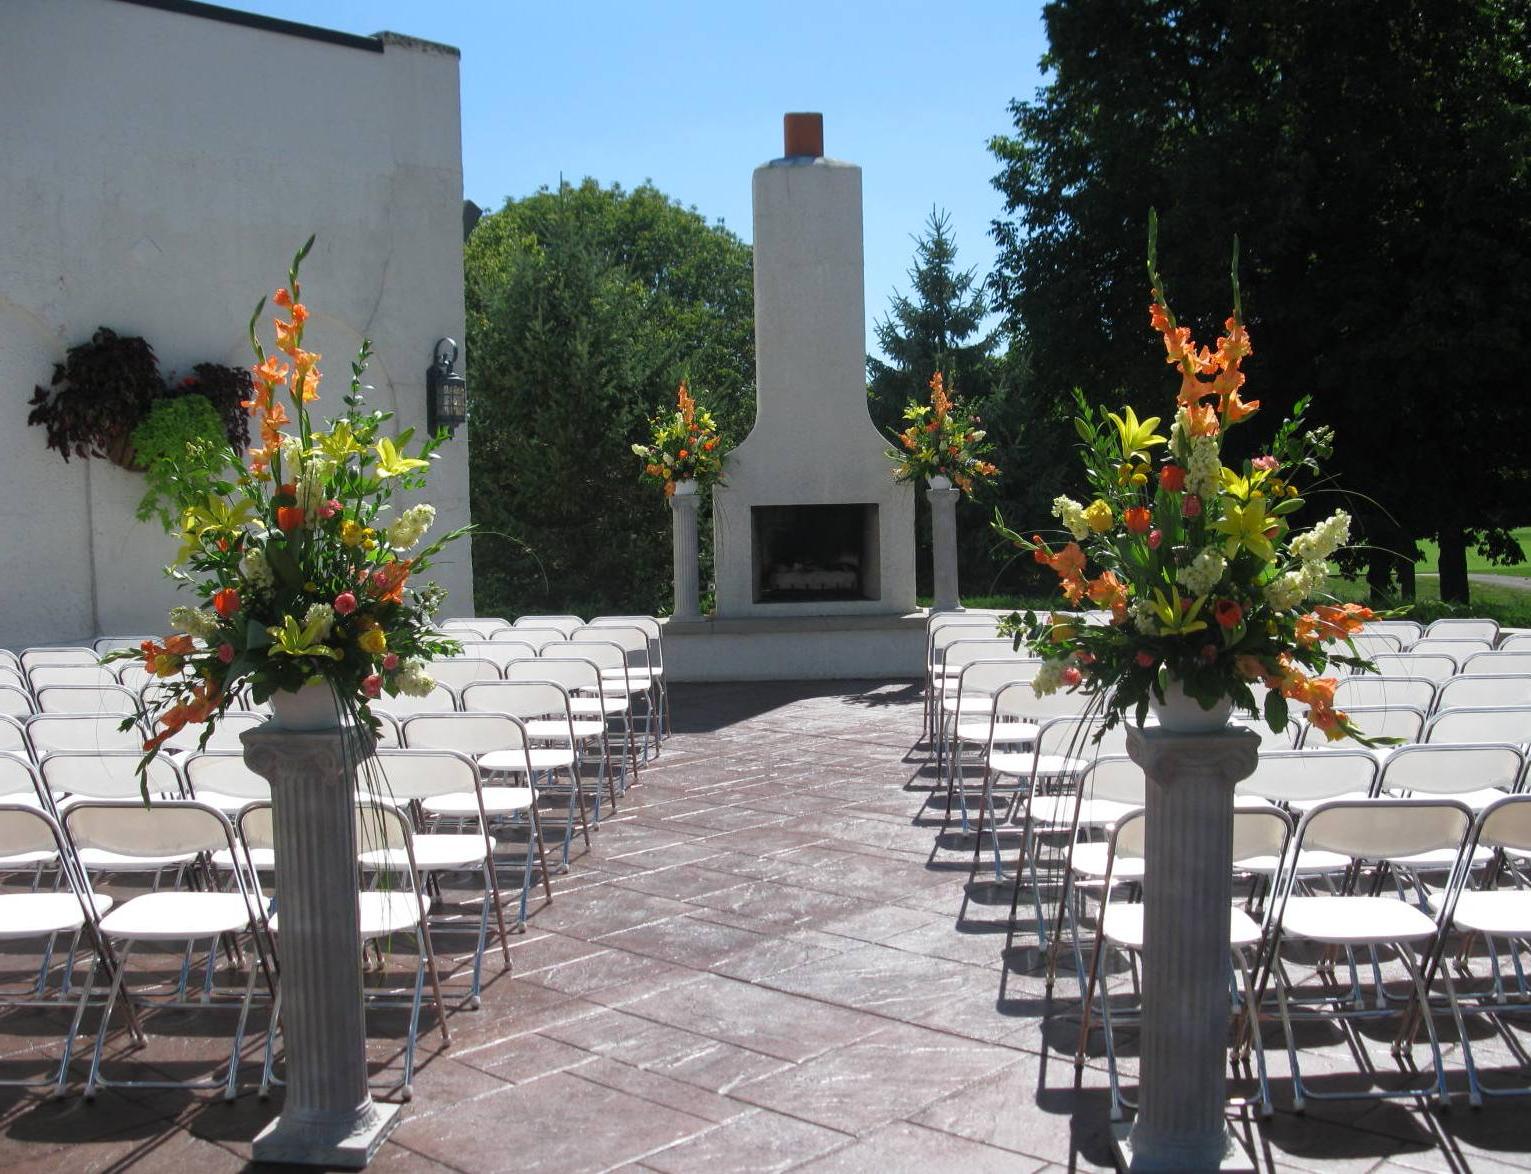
(686, 487)
(312, 707)
(1181, 713)
(940, 482)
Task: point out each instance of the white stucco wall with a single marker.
(159, 170)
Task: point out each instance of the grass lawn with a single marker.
(1476, 563)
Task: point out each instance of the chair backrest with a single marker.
(16, 701)
(1074, 736)
(225, 735)
(603, 654)
(1498, 662)
(1298, 776)
(13, 736)
(440, 699)
(941, 636)
(525, 699)
(25, 829)
(580, 675)
(458, 671)
(108, 775)
(1483, 689)
(1272, 740)
(498, 652)
(18, 779)
(81, 731)
(223, 772)
(1364, 689)
(422, 774)
(12, 674)
(1458, 650)
(1452, 769)
(1407, 631)
(1376, 829)
(535, 638)
(984, 678)
(632, 641)
(1506, 823)
(961, 652)
(1514, 642)
(1376, 721)
(1464, 629)
(10, 660)
(468, 733)
(70, 674)
(473, 629)
(1497, 723)
(648, 625)
(388, 730)
(1433, 667)
(563, 624)
(1116, 778)
(1367, 644)
(171, 827)
(32, 657)
(104, 644)
(108, 699)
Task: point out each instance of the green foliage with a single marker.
(187, 428)
(1374, 158)
(586, 306)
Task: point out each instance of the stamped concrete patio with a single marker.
(757, 967)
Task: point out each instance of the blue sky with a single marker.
(690, 95)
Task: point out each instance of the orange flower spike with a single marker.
(288, 336)
(1159, 317)
(282, 297)
(1234, 409)
(309, 387)
(1068, 562)
(1233, 348)
(299, 313)
(270, 373)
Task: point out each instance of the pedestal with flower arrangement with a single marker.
(305, 599)
(683, 456)
(1210, 594)
(945, 445)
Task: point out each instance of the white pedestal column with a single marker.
(683, 523)
(328, 1117)
(1182, 1089)
(943, 543)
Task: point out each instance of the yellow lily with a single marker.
(1238, 486)
(218, 518)
(338, 443)
(292, 640)
(1136, 437)
(390, 462)
(1245, 526)
(1174, 618)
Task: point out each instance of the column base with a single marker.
(1233, 1158)
(346, 1144)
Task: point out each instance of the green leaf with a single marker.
(1275, 711)
(1288, 505)
(1086, 433)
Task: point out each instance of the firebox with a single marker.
(815, 553)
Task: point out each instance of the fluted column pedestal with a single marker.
(943, 543)
(328, 1117)
(683, 504)
(1187, 896)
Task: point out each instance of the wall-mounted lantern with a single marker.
(446, 392)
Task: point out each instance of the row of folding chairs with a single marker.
(1407, 633)
(1401, 889)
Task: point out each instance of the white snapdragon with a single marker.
(323, 615)
(413, 680)
(1049, 678)
(1144, 617)
(1286, 591)
(1324, 539)
(292, 454)
(410, 526)
(199, 625)
(1071, 514)
(256, 570)
(1204, 572)
(311, 485)
(1205, 469)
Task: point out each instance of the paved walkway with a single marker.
(757, 967)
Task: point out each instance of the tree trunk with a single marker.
(1379, 578)
(1406, 580)
(1453, 565)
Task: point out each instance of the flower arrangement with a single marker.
(684, 447)
(943, 440)
(1205, 582)
(299, 570)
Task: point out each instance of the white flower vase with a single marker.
(313, 707)
(685, 487)
(1180, 713)
(940, 482)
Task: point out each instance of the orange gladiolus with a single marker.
(290, 518)
(281, 297)
(299, 313)
(1203, 420)
(288, 335)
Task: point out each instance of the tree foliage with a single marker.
(1375, 160)
(586, 306)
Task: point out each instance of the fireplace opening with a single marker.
(815, 553)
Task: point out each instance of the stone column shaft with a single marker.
(1187, 897)
(943, 547)
(328, 1116)
(683, 507)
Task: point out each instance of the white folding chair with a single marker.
(112, 700)
(457, 672)
(654, 630)
(174, 828)
(501, 740)
(498, 652)
(384, 912)
(71, 777)
(971, 717)
(1483, 690)
(1514, 642)
(31, 658)
(1497, 723)
(1407, 631)
(1500, 661)
(225, 736)
(11, 676)
(1432, 667)
(441, 699)
(535, 638)
(104, 644)
(480, 628)
(1464, 629)
(1459, 650)
(16, 701)
(1364, 917)
(564, 624)
(1376, 721)
(1365, 689)
(612, 696)
(48, 732)
(70, 674)
(634, 673)
(13, 737)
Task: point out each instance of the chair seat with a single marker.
(30, 915)
(1477, 800)
(263, 859)
(177, 916)
(464, 804)
(1089, 863)
(1123, 926)
(1003, 732)
(974, 704)
(604, 706)
(512, 762)
(230, 805)
(27, 860)
(381, 913)
(1355, 920)
(1310, 862)
(1440, 858)
(102, 860)
(434, 852)
(638, 679)
(1058, 811)
(556, 729)
(1501, 912)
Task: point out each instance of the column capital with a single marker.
(1229, 754)
(316, 757)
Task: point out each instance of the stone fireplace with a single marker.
(808, 520)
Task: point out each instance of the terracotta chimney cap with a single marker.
(804, 136)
